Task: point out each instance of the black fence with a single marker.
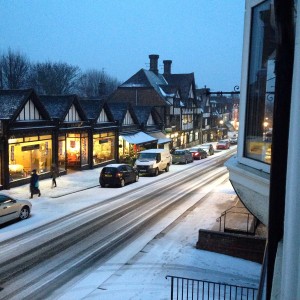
(193, 289)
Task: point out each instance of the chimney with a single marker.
(153, 63)
(167, 67)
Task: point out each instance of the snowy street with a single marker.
(139, 270)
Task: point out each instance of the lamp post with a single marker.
(221, 122)
(265, 124)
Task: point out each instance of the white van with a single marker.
(152, 161)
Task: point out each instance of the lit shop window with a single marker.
(103, 147)
(28, 154)
(261, 85)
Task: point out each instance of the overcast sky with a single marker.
(200, 36)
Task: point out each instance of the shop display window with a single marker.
(26, 156)
(261, 85)
(103, 148)
(73, 150)
(76, 149)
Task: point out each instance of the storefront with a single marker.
(131, 144)
(73, 150)
(103, 147)
(163, 141)
(28, 153)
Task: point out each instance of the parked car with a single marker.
(153, 161)
(223, 144)
(198, 153)
(11, 209)
(118, 175)
(209, 148)
(182, 156)
(233, 140)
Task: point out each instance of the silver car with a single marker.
(11, 209)
(182, 156)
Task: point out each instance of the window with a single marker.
(260, 85)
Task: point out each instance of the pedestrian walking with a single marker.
(54, 174)
(34, 184)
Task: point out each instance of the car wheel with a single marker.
(102, 185)
(167, 168)
(122, 182)
(156, 172)
(24, 213)
(136, 178)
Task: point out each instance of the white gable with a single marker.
(150, 120)
(128, 119)
(102, 117)
(29, 112)
(72, 115)
(191, 94)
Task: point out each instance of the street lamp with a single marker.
(221, 122)
(265, 124)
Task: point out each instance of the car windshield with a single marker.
(147, 156)
(109, 170)
(178, 152)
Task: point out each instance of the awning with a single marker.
(138, 138)
(162, 139)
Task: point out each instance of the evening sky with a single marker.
(200, 36)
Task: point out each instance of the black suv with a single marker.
(118, 175)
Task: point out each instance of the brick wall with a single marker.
(237, 245)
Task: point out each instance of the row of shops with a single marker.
(38, 131)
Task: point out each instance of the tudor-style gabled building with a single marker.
(172, 95)
(71, 142)
(103, 140)
(26, 136)
(151, 123)
(131, 138)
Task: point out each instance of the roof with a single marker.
(145, 79)
(92, 107)
(183, 81)
(142, 113)
(59, 105)
(138, 138)
(13, 101)
(118, 111)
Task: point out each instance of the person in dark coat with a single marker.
(34, 184)
(54, 174)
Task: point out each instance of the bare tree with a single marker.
(54, 78)
(94, 83)
(14, 70)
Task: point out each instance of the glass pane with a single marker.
(84, 151)
(24, 157)
(261, 85)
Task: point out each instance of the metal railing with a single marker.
(239, 211)
(193, 289)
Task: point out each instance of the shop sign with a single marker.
(30, 147)
(103, 141)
